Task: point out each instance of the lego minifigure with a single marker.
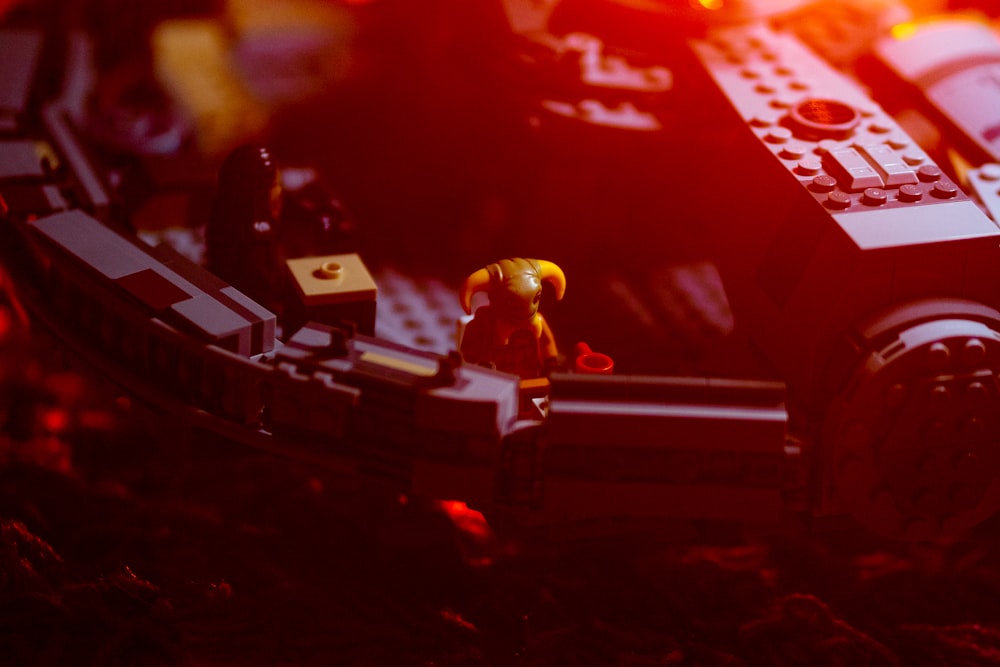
(242, 236)
(510, 334)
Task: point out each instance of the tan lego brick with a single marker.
(332, 279)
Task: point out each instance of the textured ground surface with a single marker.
(123, 547)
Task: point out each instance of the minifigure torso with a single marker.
(511, 346)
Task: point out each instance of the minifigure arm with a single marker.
(547, 350)
(476, 339)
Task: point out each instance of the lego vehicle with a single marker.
(863, 274)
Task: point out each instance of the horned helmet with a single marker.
(514, 286)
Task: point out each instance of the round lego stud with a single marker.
(898, 141)
(974, 351)
(990, 172)
(874, 196)
(823, 183)
(838, 200)
(794, 151)
(929, 173)
(976, 391)
(910, 193)
(331, 270)
(944, 190)
(778, 135)
(808, 167)
(940, 393)
(825, 118)
(938, 356)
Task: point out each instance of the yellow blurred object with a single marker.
(286, 51)
(192, 64)
(903, 31)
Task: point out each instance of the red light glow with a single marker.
(55, 420)
(465, 519)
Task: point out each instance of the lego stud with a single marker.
(940, 393)
(974, 351)
(976, 391)
(944, 190)
(331, 270)
(825, 117)
(838, 200)
(938, 355)
(875, 196)
(990, 172)
(910, 193)
(823, 183)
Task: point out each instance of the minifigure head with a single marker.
(514, 286)
(250, 189)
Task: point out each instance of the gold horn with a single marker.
(554, 275)
(477, 282)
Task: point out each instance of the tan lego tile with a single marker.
(320, 282)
